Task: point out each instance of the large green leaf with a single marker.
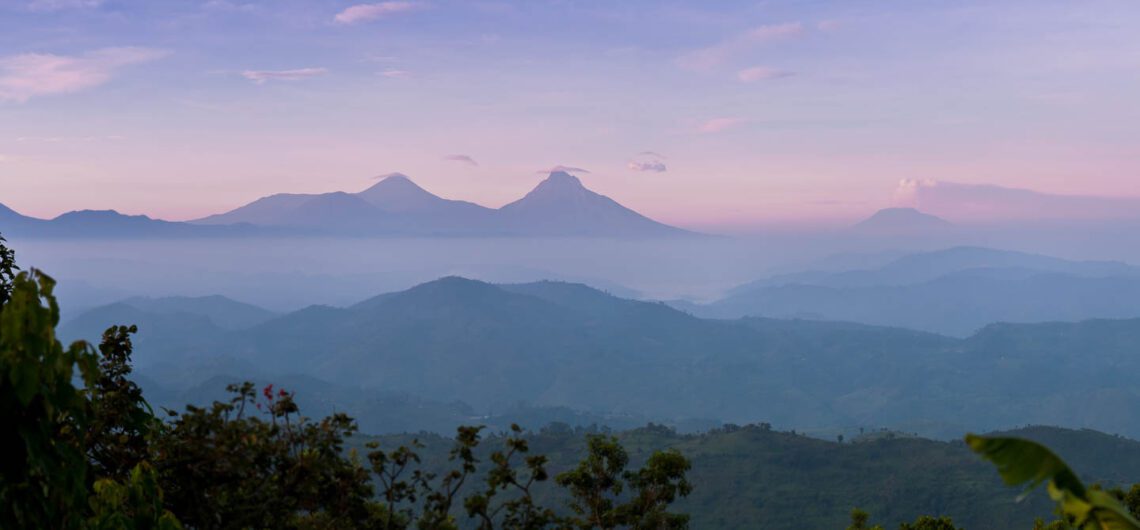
(1023, 462)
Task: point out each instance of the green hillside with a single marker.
(754, 477)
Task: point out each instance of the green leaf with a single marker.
(1023, 462)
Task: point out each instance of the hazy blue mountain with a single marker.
(956, 304)
(264, 211)
(395, 206)
(558, 206)
(222, 312)
(397, 193)
(553, 344)
(163, 336)
(106, 224)
(954, 291)
(10, 217)
(338, 212)
(901, 221)
(561, 205)
(926, 266)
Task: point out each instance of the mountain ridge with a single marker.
(558, 206)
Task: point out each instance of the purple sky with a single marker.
(733, 114)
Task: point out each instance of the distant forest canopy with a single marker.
(89, 452)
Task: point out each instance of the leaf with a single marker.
(1023, 462)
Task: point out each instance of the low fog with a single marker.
(284, 274)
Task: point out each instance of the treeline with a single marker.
(88, 452)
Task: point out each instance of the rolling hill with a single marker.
(553, 344)
(955, 291)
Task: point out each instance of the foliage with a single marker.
(1023, 462)
(225, 467)
(522, 511)
(43, 478)
(8, 270)
(136, 504)
(597, 483)
(859, 520)
(122, 424)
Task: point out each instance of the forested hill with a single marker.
(754, 477)
(557, 344)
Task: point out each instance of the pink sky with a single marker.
(789, 114)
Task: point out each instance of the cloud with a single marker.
(566, 169)
(647, 161)
(655, 166)
(396, 74)
(706, 59)
(716, 125)
(760, 73)
(396, 174)
(261, 76)
(56, 5)
(986, 202)
(366, 12)
(461, 158)
(29, 75)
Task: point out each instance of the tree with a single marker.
(927, 522)
(8, 270)
(43, 480)
(46, 478)
(520, 512)
(597, 483)
(227, 466)
(859, 520)
(122, 424)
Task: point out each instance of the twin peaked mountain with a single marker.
(395, 206)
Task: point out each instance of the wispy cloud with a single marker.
(396, 174)
(29, 75)
(711, 57)
(261, 76)
(647, 161)
(565, 169)
(396, 74)
(761, 73)
(367, 12)
(654, 166)
(56, 5)
(716, 125)
(461, 158)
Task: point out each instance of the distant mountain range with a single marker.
(559, 206)
(954, 291)
(554, 344)
(894, 221)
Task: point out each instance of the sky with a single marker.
(702, 114)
